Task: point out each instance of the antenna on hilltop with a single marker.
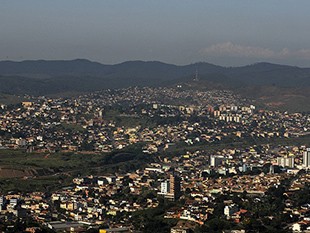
(196, 75)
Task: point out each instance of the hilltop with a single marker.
(263, 81)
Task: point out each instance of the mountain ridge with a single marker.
(43, 77)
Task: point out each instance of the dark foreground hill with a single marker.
(54, 77)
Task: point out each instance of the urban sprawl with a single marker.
(215, 161)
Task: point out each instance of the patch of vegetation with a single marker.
(8, 99)
(181, 148)
(56, 170)
(72, 127)
(117, 116)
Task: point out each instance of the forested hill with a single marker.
(49, 77)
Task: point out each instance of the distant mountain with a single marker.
(50, 77)
(42, 68)
(271, 74)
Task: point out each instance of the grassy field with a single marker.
(44, 184)
(20, 159)
(42, 172)
(45, 172)
(127, 120)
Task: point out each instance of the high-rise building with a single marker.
(165, 187)
(286, 162)
(171, 188)
(216, 160)
(306, 159)
(175, 186)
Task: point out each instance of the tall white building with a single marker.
(165, 187)
(306, 159)
(286, 162)
(216, 160)
(230, 210)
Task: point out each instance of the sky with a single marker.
(222, 32)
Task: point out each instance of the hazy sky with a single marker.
(224, 32)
